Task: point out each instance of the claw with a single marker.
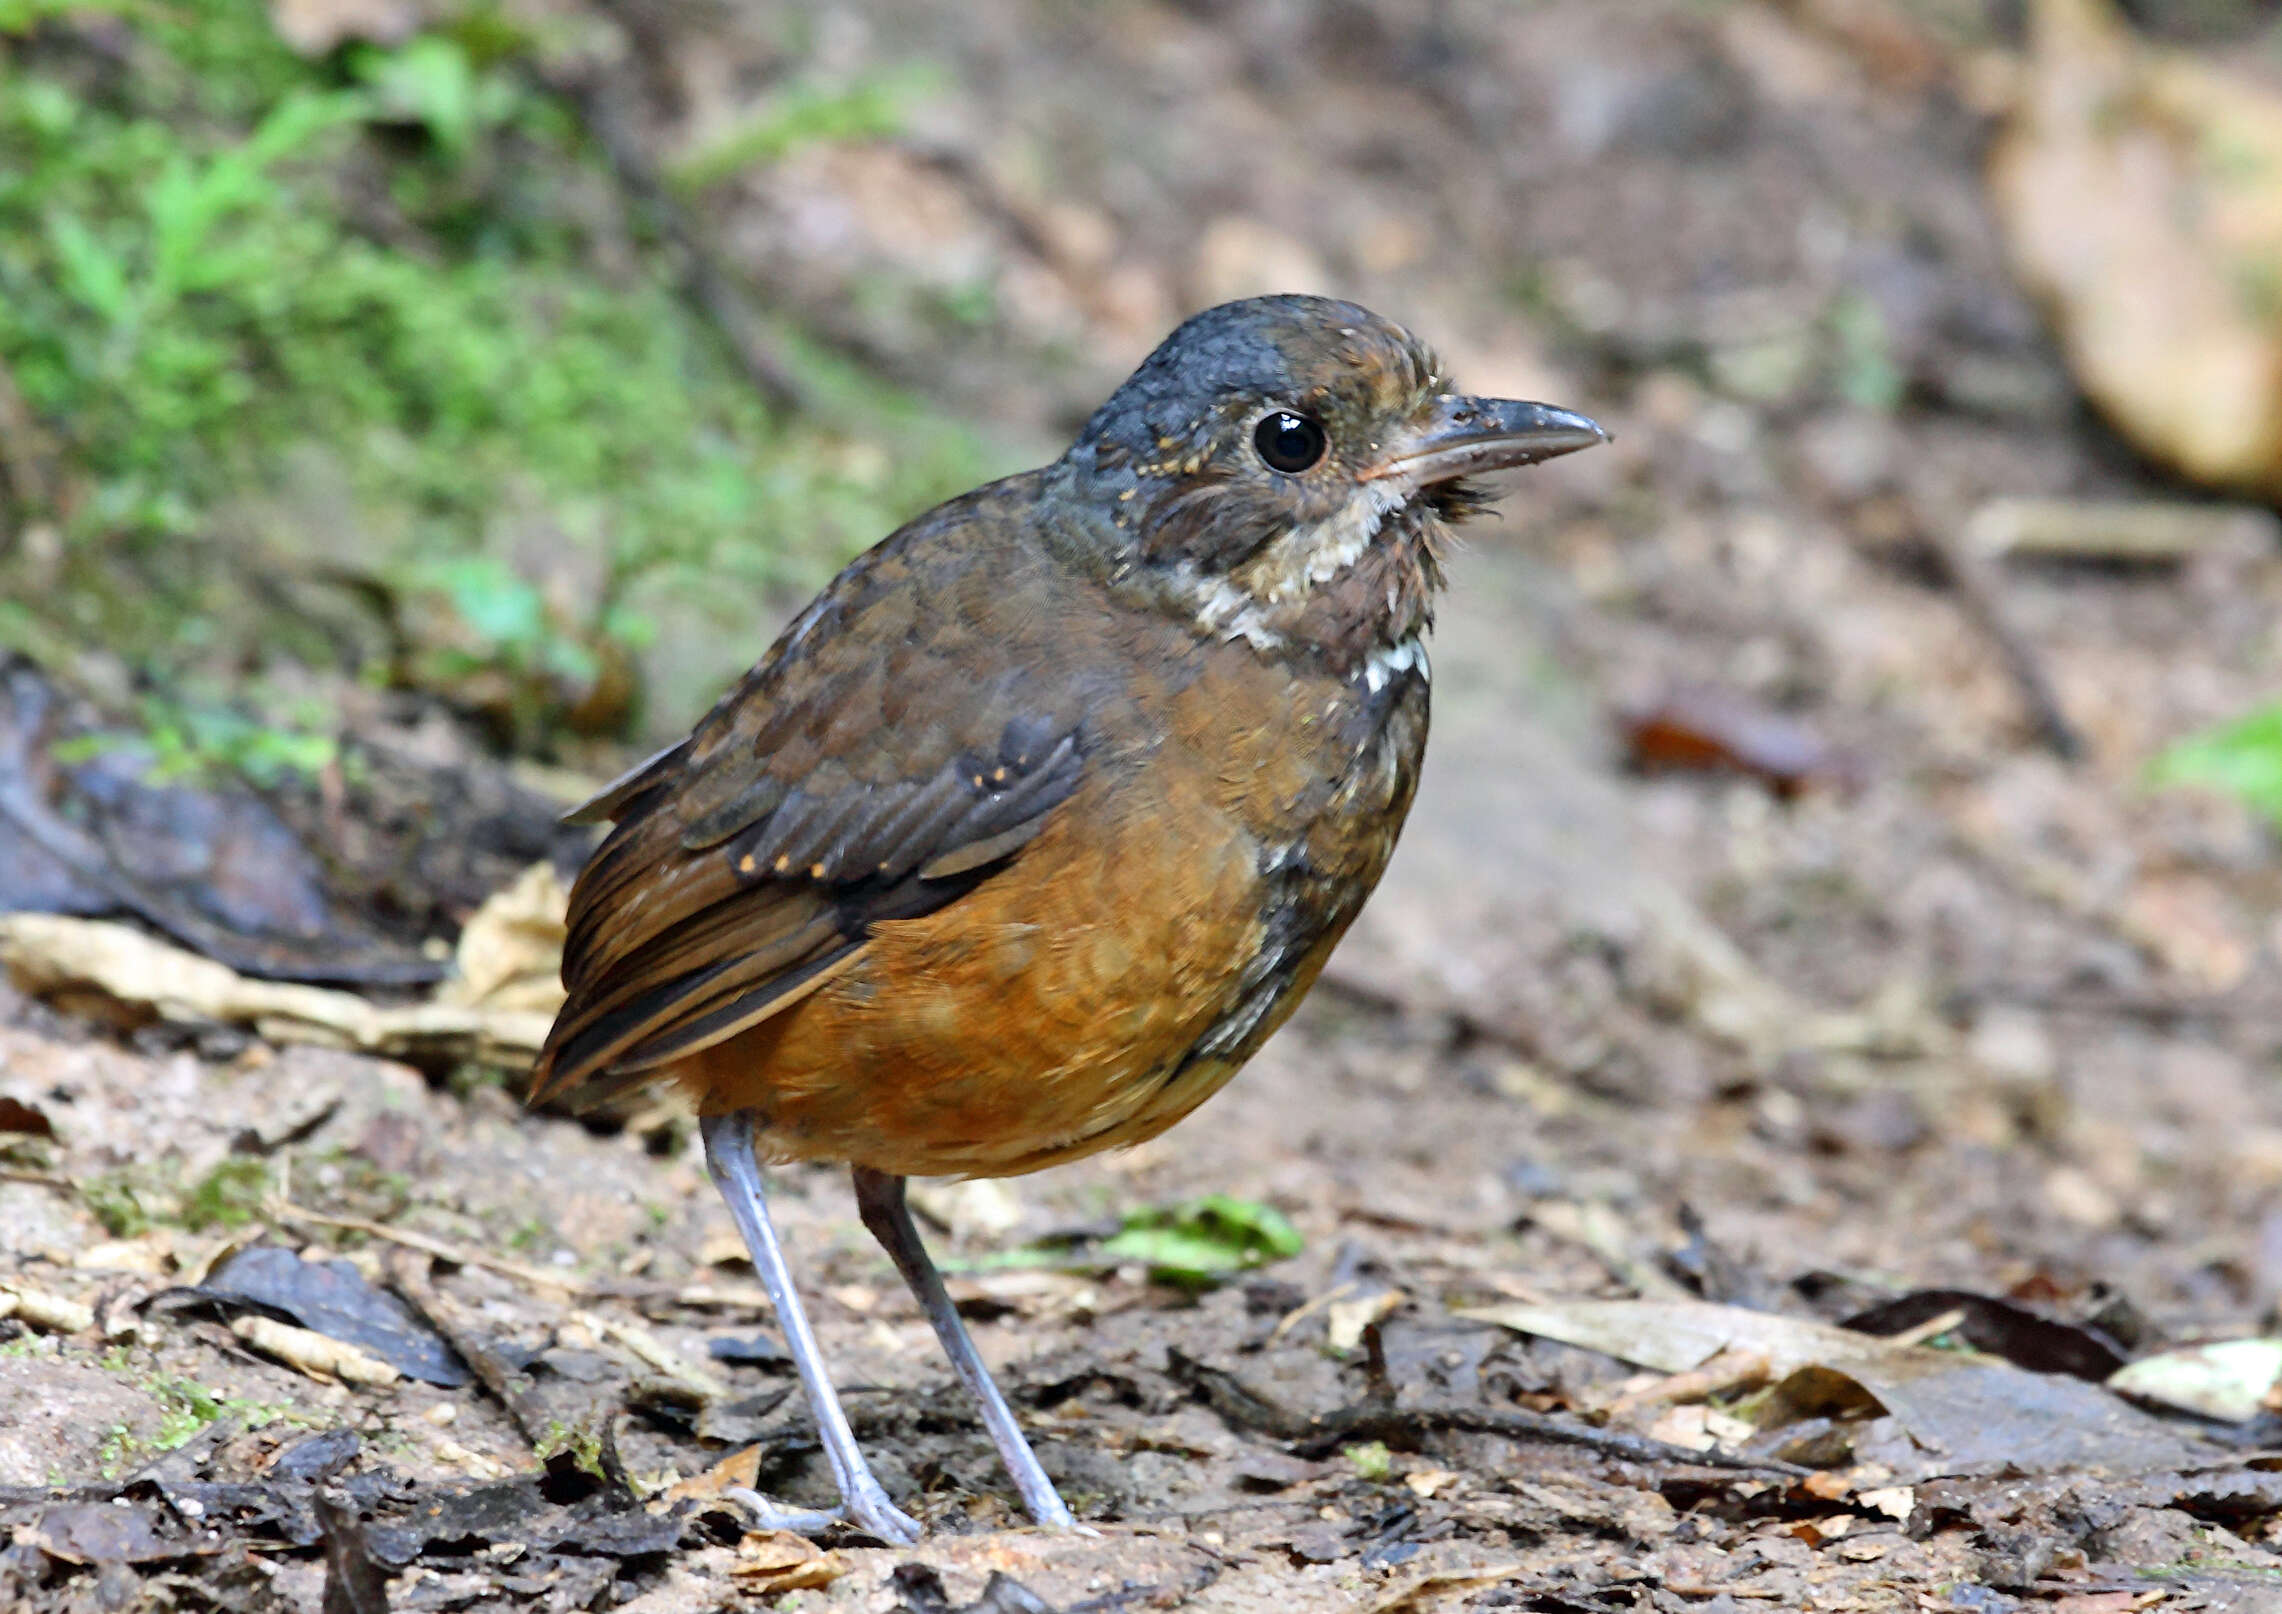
(871, 1512)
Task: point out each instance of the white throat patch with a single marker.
(1287, 569)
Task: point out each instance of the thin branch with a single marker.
(1981, 591)
(1245, 1408)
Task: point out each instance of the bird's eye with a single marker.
(1288, 442)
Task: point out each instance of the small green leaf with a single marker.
(2242, 758)
(1204, 1238)
(97, 278)
(1372, 1460)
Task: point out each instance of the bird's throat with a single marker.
(1357, 586)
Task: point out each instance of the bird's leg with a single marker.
(879, 1200)
(729, 1158)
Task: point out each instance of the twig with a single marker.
(1981, 593)
(1730, 1370)
(1245, 1408)
(458, 1255)
(43, 1179)
(2237, 1007)
(354, 1582)
(408, 1276)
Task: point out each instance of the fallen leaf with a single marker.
(2002, 1328)
(333, 1299)
(1896, 1502)
(51, 955)
(1963, 1413)
(27, 1119)
(1700, 728)
(98, 1533)
(510, 953)
(772, 1562)
(1424, 1483)
(2140, 194)
(2229, 1380)
(739, 1468)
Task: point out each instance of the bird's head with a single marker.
(1282, 471)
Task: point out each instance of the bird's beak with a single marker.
(1466, 436)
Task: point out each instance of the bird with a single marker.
(1032, 827)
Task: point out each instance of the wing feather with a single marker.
(822, 796)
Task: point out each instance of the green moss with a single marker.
(583, 1443)
(383, 319)
(231, 1195)
(117, 1201)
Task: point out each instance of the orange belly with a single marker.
(1042, 1017)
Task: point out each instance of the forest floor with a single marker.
(1953, 1018)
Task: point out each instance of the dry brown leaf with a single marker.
(510, 954)
(739, 1468)
(2140, 192)
(1966, 1413)
(774, 1561)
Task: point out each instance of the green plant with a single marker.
(2242, 758)
(185, 1407)
(193, 744)
(117, 1202)
(355, 321)
(1372, 1460)
(230, 1195)
(1204, 1238)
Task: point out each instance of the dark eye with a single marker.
(1288, 442)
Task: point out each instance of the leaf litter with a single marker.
(1628, 990)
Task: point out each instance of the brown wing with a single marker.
(892, 752)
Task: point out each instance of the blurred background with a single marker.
(1856, 804)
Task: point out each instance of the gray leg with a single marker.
(879, 1198)
(729, 1157)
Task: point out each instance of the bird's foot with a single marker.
(1046, 1507)
(870, 1511)
(769, 1515)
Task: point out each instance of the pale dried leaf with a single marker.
(2229, 1380)
(315, 1354)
